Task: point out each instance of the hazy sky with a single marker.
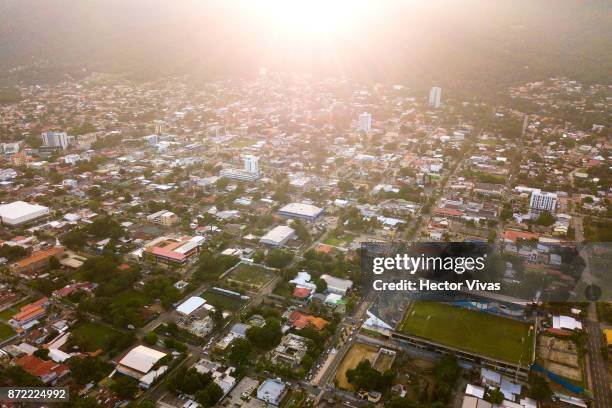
(382, 37)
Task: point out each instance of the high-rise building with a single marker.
(251, 164)
(55, 139)
(365, 122)
(160, 127)
(542, 201)
(435, 97)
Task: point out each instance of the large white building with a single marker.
(251, 164)
(139, 361)
(278, 236)
(55, 139)
(365, 122)
(249, 173)
(20, 212)
(541, 201)
(435, 97)
(303, 211)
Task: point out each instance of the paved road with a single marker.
(598, 367)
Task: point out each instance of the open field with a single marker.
(250, 276)
(355, 355)
(8, 313)
(339, 241)
(95, 336)
(477, 332)
(5, 331)
(225, 302)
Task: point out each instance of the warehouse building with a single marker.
(302, 211)
(278, 236)
(139, 361)
(20, 212)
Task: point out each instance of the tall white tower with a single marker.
(365, 122)
(435, 97)
(251, 164)
(55, 139)
(160, 126)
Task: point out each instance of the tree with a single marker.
(279, 258)
(539, 389)
(209, 396)
(366, 377)
(321, 285)
(494, 396)
(546, 219)
(150, 338)
(239, 350)
(42, 353)
(125, 387)
(88, 369)
(54, 263)
(266, 337)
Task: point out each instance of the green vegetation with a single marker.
(279, 258)
(266, 337)
(89, 336)
(88, 369)
(191, 382)
(222, 301)
(365, 377)
(251, 276)
(481, 333)
(210, 266)
(5, 331)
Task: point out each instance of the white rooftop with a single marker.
(303, 209)
(18, 209)
(190, 305)
(142, 358)
(278, 234)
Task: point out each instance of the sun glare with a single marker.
(312, 17)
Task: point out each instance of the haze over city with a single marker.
(284, 203)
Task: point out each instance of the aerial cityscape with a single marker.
(183, 240)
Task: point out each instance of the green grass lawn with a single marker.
(250, 275)
(339, 241)
(131, 297)
(5, 331)
(95, 336)
(225, 302)
(478, 332)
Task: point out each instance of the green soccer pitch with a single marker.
(477, 332)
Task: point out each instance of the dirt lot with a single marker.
(355, 355)
(560, 357)
(383, 362)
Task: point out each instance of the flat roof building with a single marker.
(190, 305)
(278, 236)
(20, 212)
(337, 285)
(272, 391)
(302, 211)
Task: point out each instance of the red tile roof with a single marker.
(301, 293)
(41, 368)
